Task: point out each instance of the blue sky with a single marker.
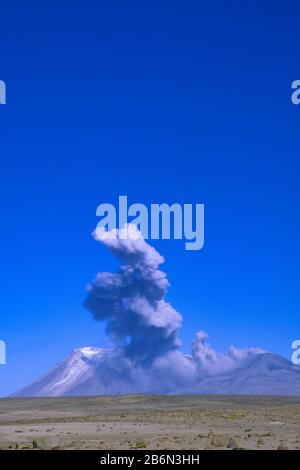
(164, 102)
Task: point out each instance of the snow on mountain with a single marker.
(75, 375)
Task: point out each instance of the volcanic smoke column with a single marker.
(139, 321)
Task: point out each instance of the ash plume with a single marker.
(210, 362)
(139, 320)
(143, 326)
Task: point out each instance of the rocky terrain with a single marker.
(150, 422)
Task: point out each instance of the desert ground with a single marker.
(150, 422)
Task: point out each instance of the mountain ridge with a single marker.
(81, 374)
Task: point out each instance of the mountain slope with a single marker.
(264, 374)
(75, 375)
(82, 373)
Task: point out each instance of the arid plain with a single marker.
(150, 422)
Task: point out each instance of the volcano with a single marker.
(83, 374)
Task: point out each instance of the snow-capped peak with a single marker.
(89, 351)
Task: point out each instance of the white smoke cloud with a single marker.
(211, 362)
(144, 326)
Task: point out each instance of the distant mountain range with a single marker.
(80, 374)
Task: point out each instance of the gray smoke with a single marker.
(143, 325)
(211, 362)
(139, 320)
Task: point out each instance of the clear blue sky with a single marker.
(164, 101)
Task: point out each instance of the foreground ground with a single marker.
(150, 422)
